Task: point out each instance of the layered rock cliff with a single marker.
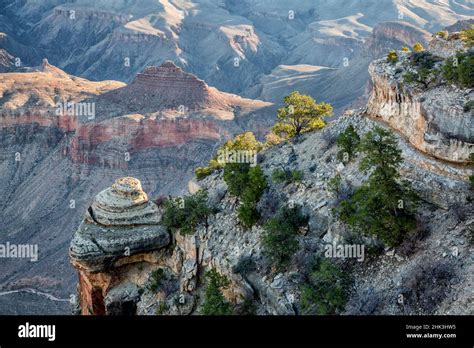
(431, 272)
(119, 228)
(433, 118)
(116, 40)
(446, 214)
(62, 136)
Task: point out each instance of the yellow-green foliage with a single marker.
(271, 139)
(418, 47)
(467, 35)
(241, 142)
(392, 56)
(244, 141)
(300, 114)
(443, 34)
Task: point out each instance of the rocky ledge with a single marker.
(120, 228)
(223, 243)
(121, 222)
(433, 118)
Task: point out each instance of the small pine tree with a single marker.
(257, 183)
(287, 176)
(347, 142)
(418, 47)
(279, 238)
(381, 207)
(214, 301)
(248, 184)
(301, 114)
(185, 214)
(236, 176)
(460, 70)
(392, 57)
(325, 291)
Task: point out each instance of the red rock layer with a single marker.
(65, 123)
(138, 134)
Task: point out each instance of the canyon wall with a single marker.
(432, 118)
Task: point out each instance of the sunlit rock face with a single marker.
(120, 228)
(433, 118)
(124, 203)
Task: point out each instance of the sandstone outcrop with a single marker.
(119, 229)
(433, 119)
(224, 242)
(168, 87)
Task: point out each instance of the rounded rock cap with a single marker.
(124, 203)
(127, 186)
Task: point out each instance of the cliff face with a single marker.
(224, 242)
(119, 227)
(432, 118)
(62, 157)
(434, 135)
(389, 35)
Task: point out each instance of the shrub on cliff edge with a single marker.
(347, 143)
(459, 70)
(382, 207)
(325, 291)
(185, 214)
(301, 114)
(247, 183)
(286, 176)
(214, 301)
(392, 57)
(279, 238)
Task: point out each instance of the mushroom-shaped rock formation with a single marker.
(124, 204)
(120, 223)
(121, 227)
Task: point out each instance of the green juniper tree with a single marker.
(347, 142)
(214, 301)
(185, 214)
(279, 237)
(382, 207)
(247, 183)
(325, 291)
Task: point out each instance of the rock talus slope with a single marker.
(433, 273)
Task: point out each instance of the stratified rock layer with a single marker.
(121, 222)
(119, 229)
(433, 119)
(168, 87)
(124, 203)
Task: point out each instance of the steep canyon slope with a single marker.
(62, 136)
(430, 272)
